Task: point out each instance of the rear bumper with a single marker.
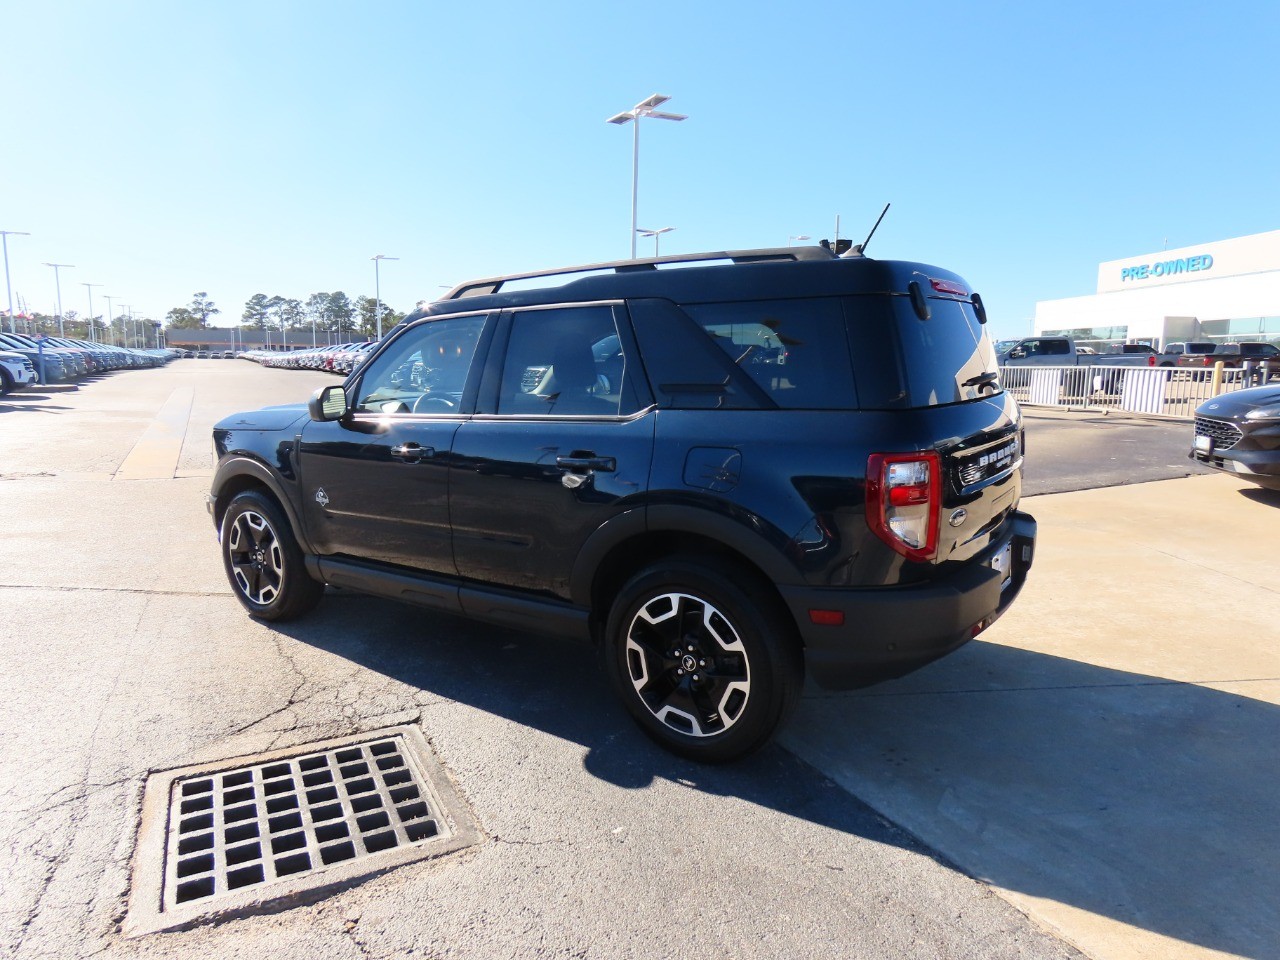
(891, 631)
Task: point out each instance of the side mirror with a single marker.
(328, 403)
(1017, 353)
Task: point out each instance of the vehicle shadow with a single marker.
(29, 401)
(1149, 802)
(1270, 498)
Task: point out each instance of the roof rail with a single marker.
(489, 285)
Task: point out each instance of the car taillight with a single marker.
(904, 494)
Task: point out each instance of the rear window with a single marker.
(902, 361)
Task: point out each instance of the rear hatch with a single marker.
(939, 368)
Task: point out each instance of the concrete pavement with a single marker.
(123, 652)
(1107, 757)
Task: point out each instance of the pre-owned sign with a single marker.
(1166, 268)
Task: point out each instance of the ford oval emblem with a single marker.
(959, 517)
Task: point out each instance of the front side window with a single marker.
(566, 362)
(424, 370)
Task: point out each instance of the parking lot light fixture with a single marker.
(645, 108)
(377, 289)
(4, 238)
(89, 319)
(57, 282)
(656, 234)
(111, 336)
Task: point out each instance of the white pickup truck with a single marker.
(1062, 352)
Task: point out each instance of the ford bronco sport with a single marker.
(761, 464)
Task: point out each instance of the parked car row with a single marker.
(25, 360)
(339, 358)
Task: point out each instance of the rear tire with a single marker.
(263, 560)
(707, 663)
(6, 382)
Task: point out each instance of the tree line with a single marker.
(326, 313)
(334, 315)
(124, 329)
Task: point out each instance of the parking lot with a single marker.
(1095, 776)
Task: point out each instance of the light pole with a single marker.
(4, 238)
(89, 287)
(655, 234)
(377, 289)
(799, 236)
(57, 282)
(111, 336)
(643, 109)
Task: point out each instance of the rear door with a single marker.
(560, 444)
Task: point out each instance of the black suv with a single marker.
(723, 475)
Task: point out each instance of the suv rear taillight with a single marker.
(904, 495)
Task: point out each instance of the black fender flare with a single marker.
(235, 467)
(732, 533)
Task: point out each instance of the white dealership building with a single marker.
(1223, 291)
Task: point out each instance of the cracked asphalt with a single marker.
(124, 652)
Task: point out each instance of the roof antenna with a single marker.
(858, 250)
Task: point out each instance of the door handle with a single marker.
(412, 452)
(588, 462)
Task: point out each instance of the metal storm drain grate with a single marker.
(236, 836)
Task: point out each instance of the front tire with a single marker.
(705, 660)
(263, 560)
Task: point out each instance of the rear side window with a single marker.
(796, 351)
(566, 362)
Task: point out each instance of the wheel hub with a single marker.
(255, 558)
(688, 664)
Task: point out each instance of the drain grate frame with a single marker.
(273, 830)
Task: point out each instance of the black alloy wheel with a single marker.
(263, 560)
(707, 668)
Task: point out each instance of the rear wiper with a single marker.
(981, 380)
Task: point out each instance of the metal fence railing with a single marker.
(1165, 391)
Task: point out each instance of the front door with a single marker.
(375, 484)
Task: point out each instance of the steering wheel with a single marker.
(430, 404)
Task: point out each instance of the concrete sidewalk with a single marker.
(1122, 789)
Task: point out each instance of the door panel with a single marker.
(520, 517)
(362, 499)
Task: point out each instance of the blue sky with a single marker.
(237, 148)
